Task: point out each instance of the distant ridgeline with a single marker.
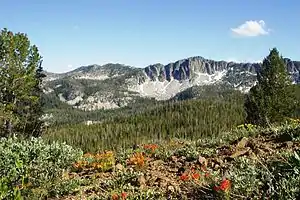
(114, 85)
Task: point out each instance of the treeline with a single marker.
(190, 119)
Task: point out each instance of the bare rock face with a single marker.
(187, 68)
(165, 81)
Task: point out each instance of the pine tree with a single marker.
(20, 84)
(273, 97)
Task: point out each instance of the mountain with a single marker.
(115, 85)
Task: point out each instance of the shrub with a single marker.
(29, 164)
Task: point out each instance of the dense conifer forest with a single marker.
(189, 119)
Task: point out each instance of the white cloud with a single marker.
(70, 66)
(251, 29)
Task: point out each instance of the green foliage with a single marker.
(286, 183)
(189, 150)
(29, 164)
(278, 179)
(20, 85)
(191, 119)
(273, 97)
(247, 178)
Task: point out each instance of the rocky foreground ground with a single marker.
(247, 163)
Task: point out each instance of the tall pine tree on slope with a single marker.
(20, 85)
(273, 97)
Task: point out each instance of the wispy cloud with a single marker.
(251, 29)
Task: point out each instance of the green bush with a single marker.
(276, 179)
(26, 165)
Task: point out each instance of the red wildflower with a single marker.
(225, 185)
(184, 177)
(115, 197)
(124, 195)
(196, 176)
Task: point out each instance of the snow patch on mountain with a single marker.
(163, 90)
(72, 101)
(206, 79)
(159, 90)
(47, 90)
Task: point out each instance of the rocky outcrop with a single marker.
(186, 68)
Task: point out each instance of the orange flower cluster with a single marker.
(151, 147)
(100, 161)
(225, 185)
(194, 175)
(137, 159)
(184, 177)
(123, 196)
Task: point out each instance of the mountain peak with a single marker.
(114, 85)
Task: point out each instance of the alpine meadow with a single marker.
(194, 128)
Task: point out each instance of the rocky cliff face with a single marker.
(114, 85)
(187, 68)
(165, 81)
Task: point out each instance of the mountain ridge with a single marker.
(115, 85)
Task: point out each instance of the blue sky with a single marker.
(72, 33)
